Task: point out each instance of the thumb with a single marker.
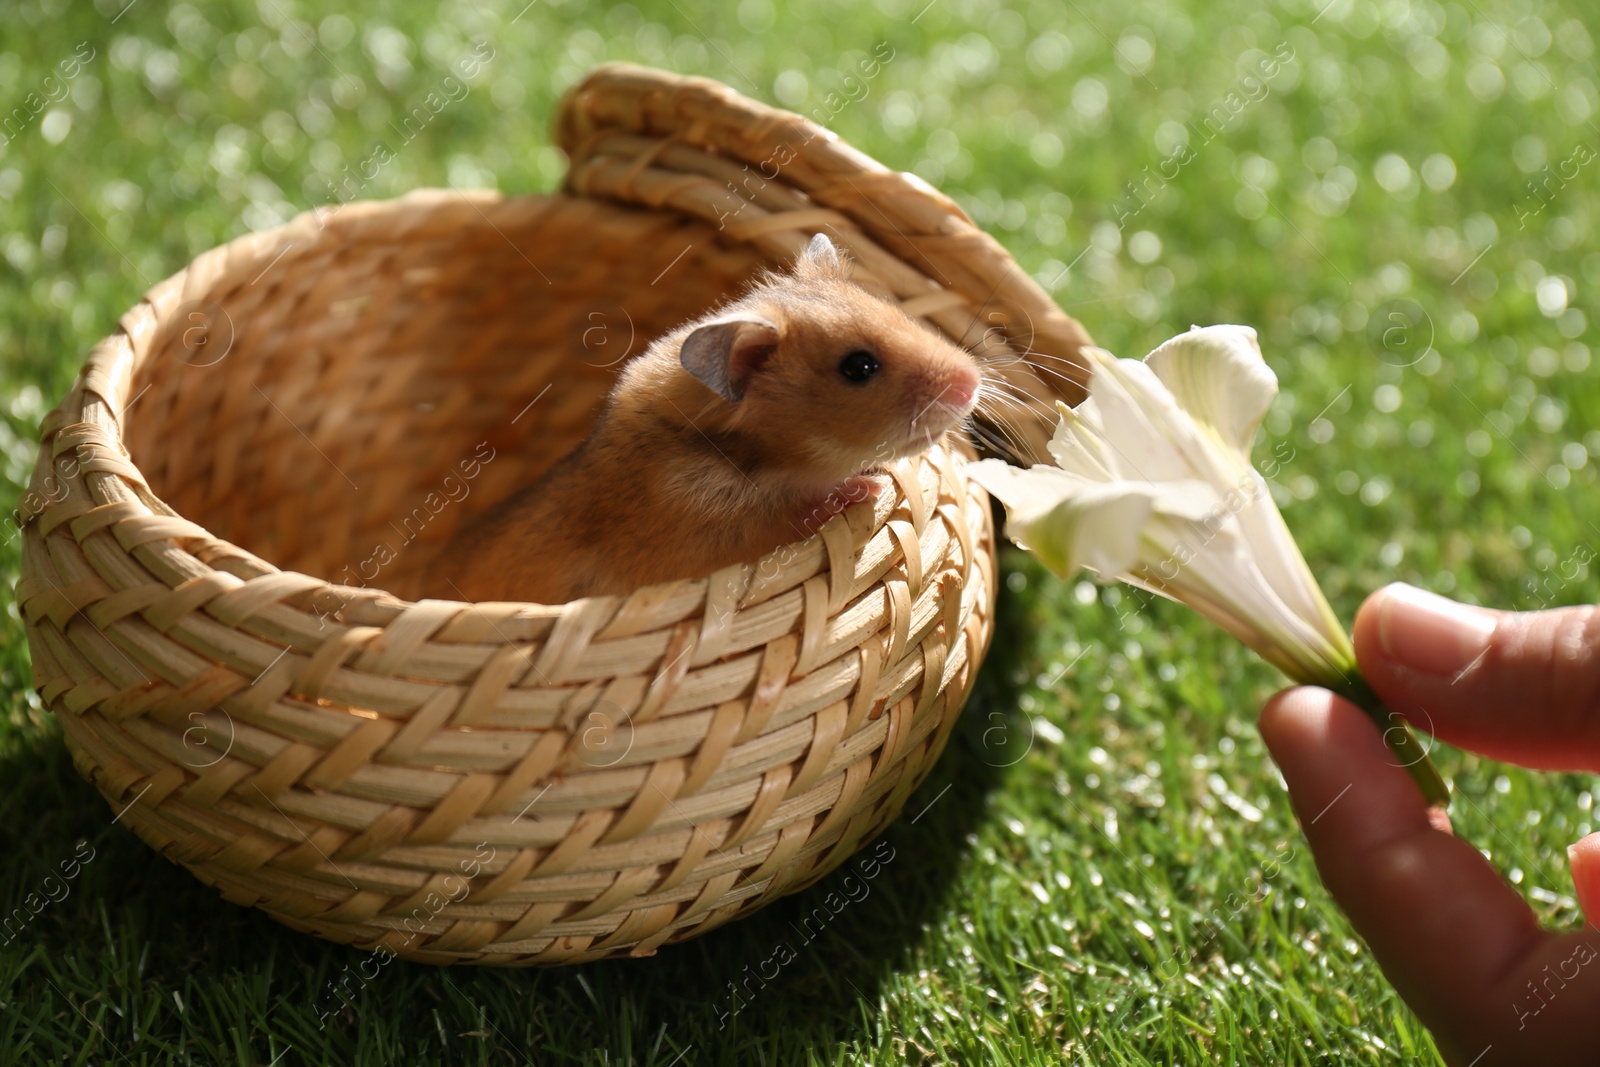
(1523, 687)
(1585, 860)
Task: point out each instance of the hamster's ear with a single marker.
(725, 353)
(822, 258)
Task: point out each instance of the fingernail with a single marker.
(1429, 633)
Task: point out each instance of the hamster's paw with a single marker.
(853, 490)
(858, 487)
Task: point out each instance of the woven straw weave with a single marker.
(251, 476)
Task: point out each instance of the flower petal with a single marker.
(1026, 493)
(1145, 435)
(1217, 375)
(1078, 444)
(1100, 528)
(1190, 502)
(1212, 567)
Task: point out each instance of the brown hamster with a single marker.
(726, 438)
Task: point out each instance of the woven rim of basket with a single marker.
(815, 692)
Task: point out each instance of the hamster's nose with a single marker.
(961, 387)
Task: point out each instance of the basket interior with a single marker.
(341, 409)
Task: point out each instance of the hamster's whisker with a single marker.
(995, 386)
(1051, 357)
(984, 433)
(1009, 434)
(999, 413)
(992, 399)
(1007, 428)
(1043, 364)
(996, 442)
(1018, 390)
(1042, 361)
(1034, 358)
(1000, 387)
(1004, 411)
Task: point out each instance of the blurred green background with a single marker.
(1104, 867)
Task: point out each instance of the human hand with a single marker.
(1459, 945)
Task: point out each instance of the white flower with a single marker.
(1153, 485)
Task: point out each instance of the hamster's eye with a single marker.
(858, 365)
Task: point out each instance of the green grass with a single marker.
(1128, 888)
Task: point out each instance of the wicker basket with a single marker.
(250, 476)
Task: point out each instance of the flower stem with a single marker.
(1397, 735)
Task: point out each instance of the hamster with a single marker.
(729, 436)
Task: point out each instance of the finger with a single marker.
(1585, 860)
(1517, 686)
(1457, 943)
(1408, 888)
